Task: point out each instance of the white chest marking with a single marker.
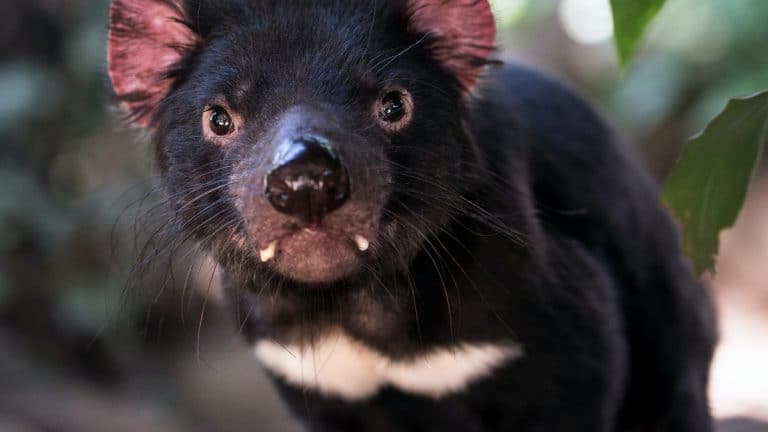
(340, 366)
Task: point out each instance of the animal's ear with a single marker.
(148, 39)
(461, 34)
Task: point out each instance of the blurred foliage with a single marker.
(707, 189)
(67, 180)
(696, 56)
(631, 18)
(712, 45)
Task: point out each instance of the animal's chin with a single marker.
(316, 256)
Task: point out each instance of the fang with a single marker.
(268, 253)
(362, 243)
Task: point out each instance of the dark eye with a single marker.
(220, 121)
(393, 108)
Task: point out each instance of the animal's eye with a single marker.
(220, 121)
(395, 108)
(392, 107)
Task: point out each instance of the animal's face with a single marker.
(316, 141)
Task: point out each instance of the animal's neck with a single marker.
(338, 365)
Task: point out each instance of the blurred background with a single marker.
(97, 335)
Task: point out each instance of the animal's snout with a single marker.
(309, 179)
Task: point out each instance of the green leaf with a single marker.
(708, 187)
(630, 18)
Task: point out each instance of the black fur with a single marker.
(510, 214)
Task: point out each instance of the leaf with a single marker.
(709, 185)
(630, 18)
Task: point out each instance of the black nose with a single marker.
(309, 180)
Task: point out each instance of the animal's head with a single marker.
(311, 140)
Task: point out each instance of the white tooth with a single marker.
(362, 243)
(269, 253)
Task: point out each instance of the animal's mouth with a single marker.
(316, 255)
(268, 254)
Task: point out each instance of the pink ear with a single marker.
(147, 38)
(464, 31)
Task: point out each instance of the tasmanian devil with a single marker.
(414, 236)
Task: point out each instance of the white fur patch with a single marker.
(339, 366)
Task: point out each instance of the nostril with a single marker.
(308, 181)
(279, 199)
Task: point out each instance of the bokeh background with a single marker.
(97, 333)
